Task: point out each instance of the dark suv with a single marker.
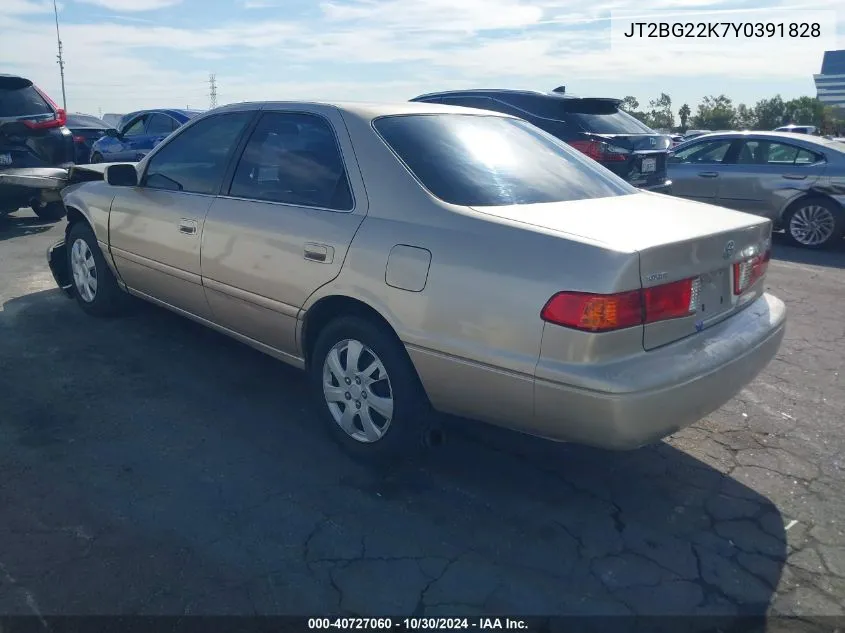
(595, 126)
(35, 148)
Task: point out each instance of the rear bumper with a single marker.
(651, 395)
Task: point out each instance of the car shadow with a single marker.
(784, 251)
(205, 483)
(12, 226)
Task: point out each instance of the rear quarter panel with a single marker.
(474, 331)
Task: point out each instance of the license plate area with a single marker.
(714, 297)
(648, 165)
(5, 160)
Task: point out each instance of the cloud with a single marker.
(133, 5)
(368, 49)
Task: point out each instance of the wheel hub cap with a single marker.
(812, 225)
(84, 270)
(357, 390)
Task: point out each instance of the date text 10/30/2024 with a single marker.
(417, 624)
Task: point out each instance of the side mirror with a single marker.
(122, 175)
(113, 133)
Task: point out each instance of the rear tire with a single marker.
(93, 284)
(814, 223)
(50, 212)
(368, 392)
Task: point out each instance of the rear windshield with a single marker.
(82, 120)
(475, 160)
(608, 121)
(15, 102)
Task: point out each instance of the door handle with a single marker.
(708, 174)
(795, 176)
(318, 253)
(187, 226)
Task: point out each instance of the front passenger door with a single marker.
(695, 170)
(294, 204)
(156, 228)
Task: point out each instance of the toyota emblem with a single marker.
(729, 249)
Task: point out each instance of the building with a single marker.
(830, 83)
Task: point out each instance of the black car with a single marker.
(85, 130)
(33, 136)
(595, 126)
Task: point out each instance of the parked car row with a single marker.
(796, 180)
(418, 257)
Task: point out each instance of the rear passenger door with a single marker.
(284, 224)
(767, 174)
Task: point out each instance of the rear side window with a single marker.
(491, 161)
(194, 161)
(15, 102)
(293, 158)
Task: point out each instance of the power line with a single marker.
(212, 82)
(61, 61)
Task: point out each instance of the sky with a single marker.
(123, 55)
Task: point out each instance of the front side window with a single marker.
(194, 161)
(293, 158)
(707, 153)
(476, 160)
(136, 128)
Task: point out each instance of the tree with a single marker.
(744, 118)
(804, 111)
(660, 112)
(684, 113)
(630, 104)
(769, 113)
(715, 113)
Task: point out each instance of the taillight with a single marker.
(602, 313)
(601, 151)
(749, 271)
(58, 119)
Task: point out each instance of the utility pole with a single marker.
(212, 82)
(59, 57)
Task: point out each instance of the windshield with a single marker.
(616, 122)
(473, 160)
(82, 120)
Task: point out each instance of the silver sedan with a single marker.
(797, 181)
(419, 256)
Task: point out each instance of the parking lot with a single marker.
(149, 465)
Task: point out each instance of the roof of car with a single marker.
(764, 134)
(533, 93)
(365, 109)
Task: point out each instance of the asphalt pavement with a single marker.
(151, 466)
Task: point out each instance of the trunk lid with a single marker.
(675, 239)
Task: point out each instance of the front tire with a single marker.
(368, 391)
(50, 212)
(814, 223)
(94, 285)
(96, 157)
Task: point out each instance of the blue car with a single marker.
(137, 133)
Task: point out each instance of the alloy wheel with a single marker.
(84, 270)
(357, 390)
(812, 225)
